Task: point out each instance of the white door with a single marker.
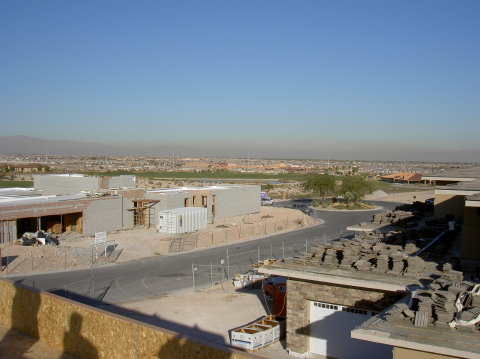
(330, 327)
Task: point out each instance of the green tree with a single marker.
(354, 188)
(322, 185)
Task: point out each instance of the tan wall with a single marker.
(449, 204)
(402, 353)
(91, 333)
(470, 244)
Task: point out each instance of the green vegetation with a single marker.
(7, 184)
(321, 185)
(354, 188)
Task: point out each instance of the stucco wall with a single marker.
(91, 333)
(449, 204)
(470, 243)
(107, 214)
(57, 185)
(300, 293)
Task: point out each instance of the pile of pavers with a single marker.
(444, 303)
(374, 252)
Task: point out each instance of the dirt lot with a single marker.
(210, 314)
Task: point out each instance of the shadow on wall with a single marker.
(75, 342)
(79, 331)
(24, 316)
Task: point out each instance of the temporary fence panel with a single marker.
(182, 220)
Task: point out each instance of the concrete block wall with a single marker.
(300, 293)
(237, 201)
(107, 214)
(65, 184)
(470, 240)
(91, 333)
(123, 181)
(167, 201)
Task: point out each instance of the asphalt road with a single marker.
(166, 274)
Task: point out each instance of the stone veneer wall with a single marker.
(300, 293)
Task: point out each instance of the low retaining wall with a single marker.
(91, 333)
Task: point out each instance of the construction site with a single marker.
(411, 273)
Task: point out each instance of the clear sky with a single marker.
(300, 78)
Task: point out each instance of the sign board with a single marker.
(100, 237)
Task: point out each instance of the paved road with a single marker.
(162, 275)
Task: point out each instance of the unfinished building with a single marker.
(221, 201)
(59, 214)
(61, 184)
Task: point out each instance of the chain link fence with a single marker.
(38, 259)
(206, 275)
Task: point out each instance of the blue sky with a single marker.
(306, 78)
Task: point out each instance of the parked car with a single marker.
(266, 201)
(304, 208)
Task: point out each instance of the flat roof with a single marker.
(394, 327)
(472, 201)
(16, 201)
(461, 188)
(189, 189)
(456, 174)
(18, 191)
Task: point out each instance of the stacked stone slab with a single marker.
(415, 266)
(382, 265)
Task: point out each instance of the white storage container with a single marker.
(182, 220)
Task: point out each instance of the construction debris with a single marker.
(38, 238)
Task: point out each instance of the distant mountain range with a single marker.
(34, 145)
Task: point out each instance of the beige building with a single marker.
(457, 197)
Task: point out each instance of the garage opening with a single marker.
(330, 327)
(57, 224)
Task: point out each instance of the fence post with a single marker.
(8, 262)
(193, 277)
(211, 274)
(93, 282)
(228, 267)
(283, 250)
